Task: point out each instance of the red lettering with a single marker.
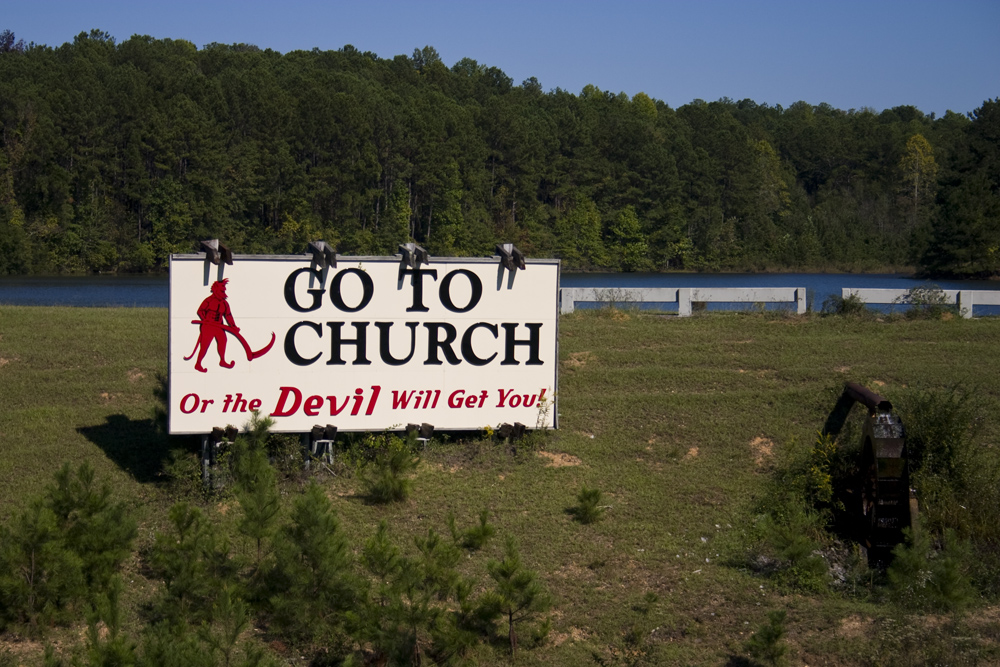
(312, 405)
(503, 397)
(401, 400)
(280, 410)
(197, 402)
(376, 390)
(455, 400)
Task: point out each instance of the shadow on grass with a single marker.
(137, 446)
(140, 447)
(738, 661)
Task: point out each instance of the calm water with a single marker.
(91, 291)
(152, 291)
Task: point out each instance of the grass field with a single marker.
(680, 423)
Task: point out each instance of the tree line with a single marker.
(115, 155)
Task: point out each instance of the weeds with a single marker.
(851, 305)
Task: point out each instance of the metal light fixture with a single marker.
(510, 257)
(423, 431)
(323, 254)
(413, 255)
(216, 252)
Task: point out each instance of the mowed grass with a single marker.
(679, 422)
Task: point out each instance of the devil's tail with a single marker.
(196, 344)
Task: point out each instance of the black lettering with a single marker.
(417, 281)
(445, 291)
(533, 344)
(367, 287)
(337, 341)
(290, 299)
(433, 344)
(383, 343)
(290, 351)
(467, 352)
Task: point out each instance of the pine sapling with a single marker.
(588, 509)
(517, 592)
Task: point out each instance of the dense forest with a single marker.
(115, 155)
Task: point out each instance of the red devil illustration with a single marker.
(216, 319)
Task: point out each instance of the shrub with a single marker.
(473, 538)
(766, 644)
(928, 303)
(385, 480)
(588, 509)
(517, 594)
(852, 305)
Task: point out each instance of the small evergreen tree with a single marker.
(766, 644)
(517, 593)
(193, 563)
(588, 509)
(108, 646)
(40, 578)
(311, 584)
(474, 538)
(260, 504)
(98, 530)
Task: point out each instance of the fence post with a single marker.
(684, 302)
(964, 302)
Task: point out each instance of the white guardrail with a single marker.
(682, 296)
(964, 299)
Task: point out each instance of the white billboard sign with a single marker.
(369, 345)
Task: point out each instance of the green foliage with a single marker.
(65, 548)
(311, 584)
(767, 644)
(517, 592)
(920, 577)
(928, 303)
(40, 578)
(256, 484)
(98, 530)
(385, 480)
(474, 538)
(588, 506)
(193, 562)
(852, 304)
(819, 483)
(116, 154)
(792, 536)
(106, 643)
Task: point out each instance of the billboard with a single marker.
(367, 345)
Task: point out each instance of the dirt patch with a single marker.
(578, 359)
(559, 460)
(107, 397)
(135, 375)
(4, 362)
(842, 369)
(878, 383)
(763, 450)
(691, 454)
(853, 627)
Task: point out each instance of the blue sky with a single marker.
(850, 54)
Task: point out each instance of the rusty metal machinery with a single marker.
(885, 504)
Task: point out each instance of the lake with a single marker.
(131, 291)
